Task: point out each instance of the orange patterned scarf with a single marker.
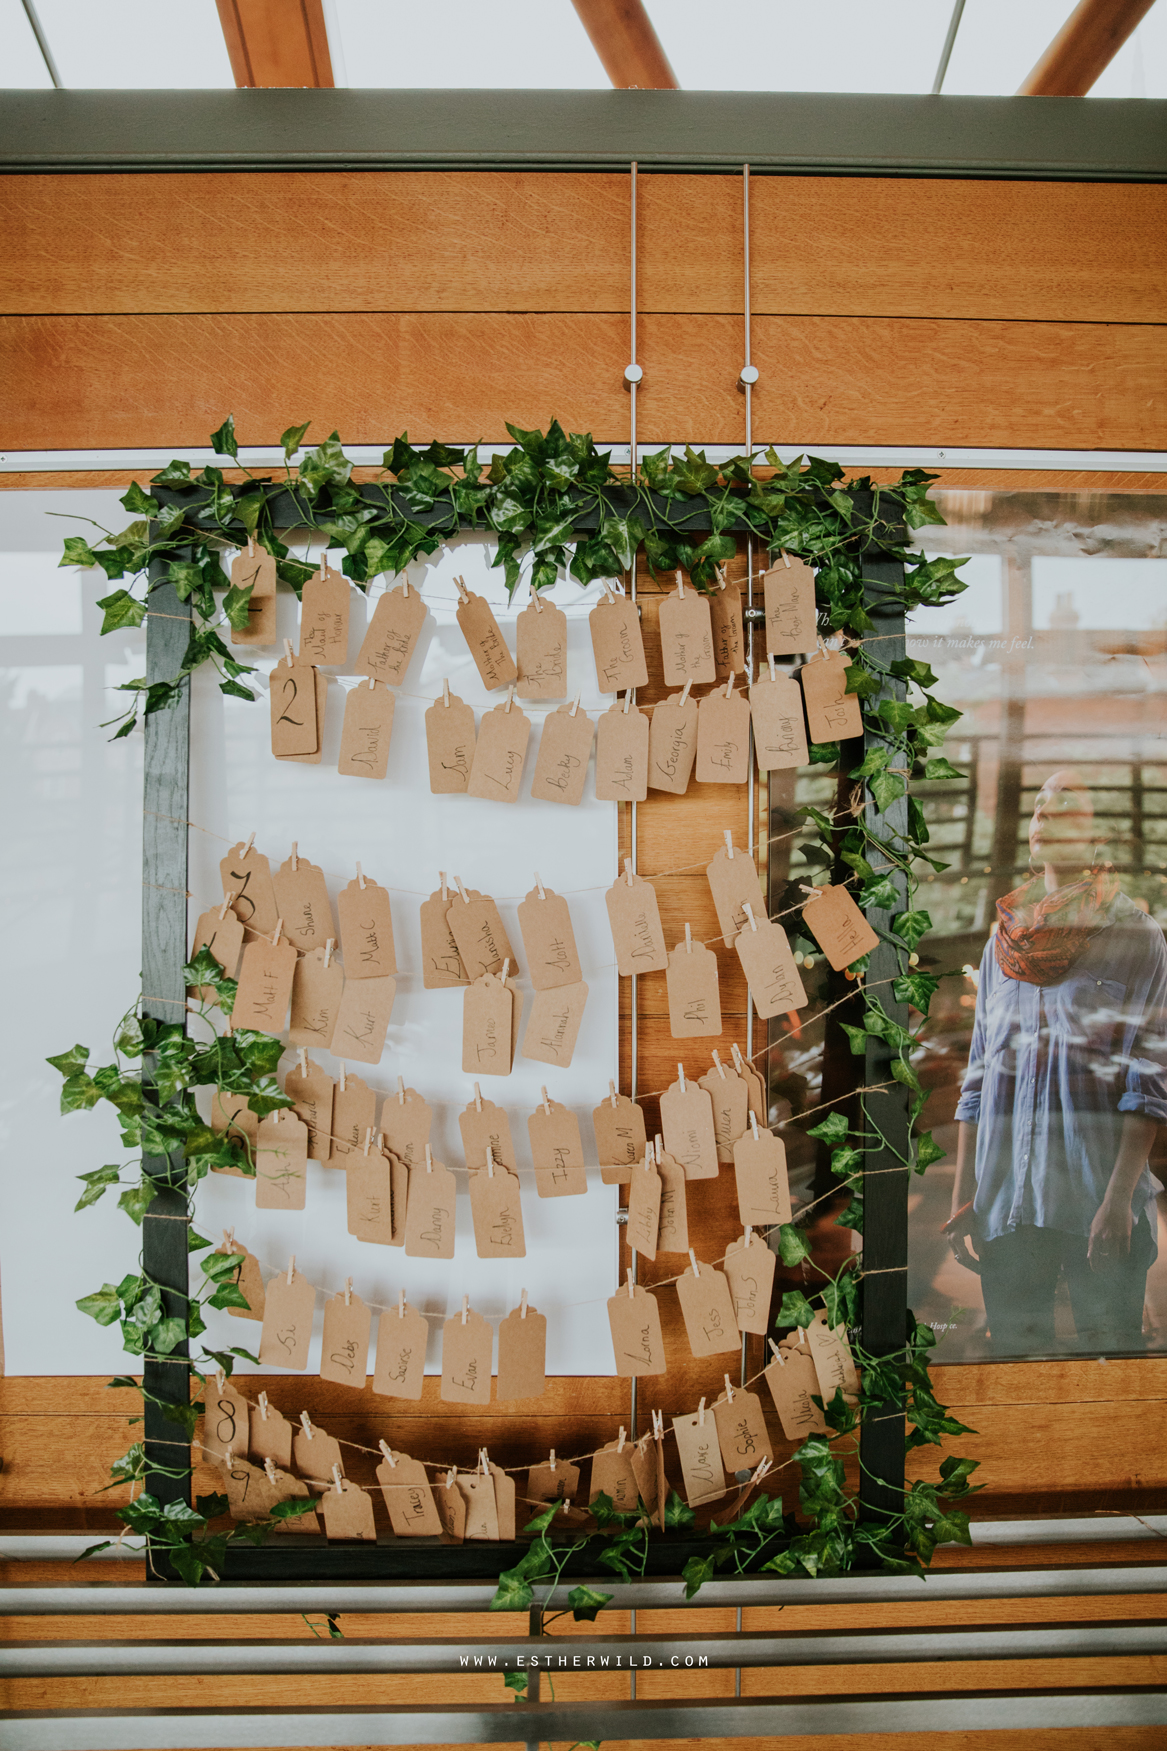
(1041, 935)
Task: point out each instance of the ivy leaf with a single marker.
(139, 501)
(887, 788)
(77, 552)
(223, 441)
(121, 609)
(516, 1681)
(941, 768)
(71, 1062)
(104, 1305)
(695, 1573)
(678, 1513)
(905, 1073)
(513, 1594)
(857, 1037)
(327, 465)
(880, 892)
(95, 1185)
(167, 1335)
(918, 989)
(908, 669)
(832, 1129)
(846, 1161)
(824, 753)
(861, 681)
(795, 1309)
(792, 1244)
(897, 713)
(292, 439)
(911, 926)
(235, 607)
(227, 1295)
(927, 1151)
(875, 760)
(585, 1602)
(175, 473)
(136, 1200)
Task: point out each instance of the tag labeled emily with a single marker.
(302, 897)
(467, 1350)
(686, 639)
(699, 1451)
(634, 917)
(324, 606)
(793, 1386)
(644, 1194)
(779, 730)
(402, 1335)
(617, 645)
(408, 1497)
(254, 566)
(429, 1218)
(449, 740)
(317, 988)
(749, 1271)
(344, 1350)
(479, 933)
(281, 1162)
(366, 930)
(522, 1354)
(763, 1190)
(637, 1343)
(487, 1013)
(265, 986)
(497, 1213)
(557, 1151)
(363, 1019)
(497, 771)
(707, 1308)
(620, 1137)
(392, 635)
(354, 1114)
(741, 1431)
(832, 714)
(723, 738)
(246, 876)
(734, 884)
(541, 645)
(768, 964)
(838, 926)
(565, 747)
(729, 639)
(287, 1322)
(730, 1095)
(485, 641)
(312, 1089)
(441, 964)
(672, 744)
(622, 735)
(686, 1122)
(292, 695)
(549, 940)
(694, 1000)
(788, 593)
(554, 1024)
(366, 730)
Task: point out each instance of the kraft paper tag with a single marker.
(617, 645)
(541, 648)
(637, 1343)
(613, 1476)
(246, 876)
(686, 639)
(497, 771)
(791, 620)
(467, 1350)
(281, 1162)
(731, 1107)
(552, 1483)
(313, 759)
(723, 739)
(504, 1501)
(741, 1431)
(324, 610)
(832, 714)
(248, 1281)
(763, 1190)
(366, 930)
(408, 1497)
(487, 1015)
(429, 1215)
(620, 1138)
(749, 1074)
(637, 934)
(313, 1094)
(839, 927)
(286, 1488)
(768, 964)
(734, 884)
(707, 1309)
(644, 1195)
(794, 1385)
(226, 1419)
(451, 1506)
(271, 1436)
(477, 1491)
(249, 1495)
(292, 694)
(231, 1115)
(366, 731)
(557, 1151)
(672, 745)
(486, 1126)
(265, 986)
(354, 1115)
(348, 1513)
(549, 940)
(554, 1024)
(480, 934)
(256, 568)
(304, 906)
(686, 1122)
(344, 1348)
(497, 1213)
(749, 1271)
(779, 730)
(369, 1196)
(316, 993)
(622, 739)
(673, 1235)
(693, 993)
(699, 1452)
(363, 1019)
(485, 642)
(729, 639)
(450, 744)
(833, 1361)
(405, 1124)
(644, 1456)
(522, 1354)
(287, 1323)
(565, 747)
(224, 937)
(392, 635)
(402, 1337)
(441, 964)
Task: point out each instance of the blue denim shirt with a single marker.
(1053, 1068)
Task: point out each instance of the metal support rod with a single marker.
(633, 1064)
(42, 43)
(751, 785)
(946, 51)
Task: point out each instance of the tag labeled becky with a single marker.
(565, 747)
(672, 744)
(723, 739)
(281, 1162)
(833, 1361)
(617, 645)
(254, 568)
(485, 641)
(522, 1354)
(430, 1212)
(686, 1122)
(467, 1352)
(406, 1121)
(497, 1213)
(354, 1115)
(763, 1190)
(392, 635)
(450, 742)
(779, 729)
(554, 1024)
(794, 1385)
(366, 930)
(497, 771)
(549, 940)
(324, 608)
(729, 639)
(265, 986)
(344, 1349)
(730, 1096)
(292, 695)
(441, 964)
(644, 1195)
(312, 1089)
(366, 730)
(707, 1308)
(402, 1336)
(741, 1431)
(637, 935)
(734, 884)
(487, 1014)
(768, 964)
(246, 876)
(832, 714)
(622, 737)
(618, 1124)
(686, 639)
(302, 897)
(749, 1271)
(363, 1019)
(557, 1151)
(479, 933)
(287, 1322)
(408, 1497)
(220, 930)
(541, 646)
(791, 621)
(699, 1452)
(838, 926)
(637, 1343)
(317, 988)
(694, 1000)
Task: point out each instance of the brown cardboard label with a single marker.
(450, 742)
(686, 1122)
(839, 927)
(402, 1335)
(541, 647)
(549, 940)
(693, 993)
(249, 1495)
(363, 1019)
(487, 1015)
(622, 739)
(302, 898)
(730, 1096)
(749, 1271)
(565, 747)
(485, 642)
(246, 876)
(256, 568)
(788, 594)
(644, 1470)
(833, 1361)
(637, 935)
(673, 1235)
(734, 884)
(557, 1151)
(741, 1431)
(281, 1162)
(497, 1213)
(223, 935)
(287, 1323)
(369, 1196)
(313, 1094)
(793, 1386)
(348, 1513)
(686, 639)
(249, 1281)
(617, 645)
(768, 963)
(707, 1309)
(699, 1452)
(637, 1343)
(552, 1483)
(451, 1506)
(226, 1419)
(429, 1219)
(366, 930)
(486, 1126)
(763, 1190)
(405, 1124)
(392, 635)
(314, 758)
(779, 729)
(477, 1491)
(497, 771)
(467, 1350)
(366, 731)
(292, 695)
(522, 1355)
(832, 714)
(354, 1114)
(286, 1488)
(554, 1025)
(748, 1071)
(344, 1350)
(324, 610)
(231, 1114)
(644, 1195)
(479, 933)
(504, 1501)
(723, 739)
(441, 964)
(672, 745)
(265, 985)
(408, 1497)
(729, 639)
(271, 1435)
(620, 1138)
(613, 1476)
(316, 993)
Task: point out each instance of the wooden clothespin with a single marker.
(387, 1453)
(360, 878)
(523, 1305)
(224, 906)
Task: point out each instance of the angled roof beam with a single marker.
(623, 37)
(276, 42)
(1084, 47)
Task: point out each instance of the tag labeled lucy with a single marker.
(617, 645)
(741, 1431)
(312, 1089)
(788, 594)
(637, 934)
(497, 771)
(749, 1271)
(730, 1096)
(549, 940)
(733, 882)
(522, 1354)
(441, 964)
(486, 1126)
(479, 933)
(254, 568)
(686, 638)
(392, 635)
(408, 1497)
(832, 714)
(292, 696)
(248, 1280)
(644, 1194)
(686, 1122)
(565, 747)
(699, 1452)
(344, 1348)
(729, 639)
(554, 1024)
(497, 1213)
(779, 729)
(321, 688)
(541, 648)
(618, 1124)
(622, 738)
(613, 1476)
(317, 988)
(366, 731)
(707, 1309)
(484, 640)
(324, 610)
(281, 1162)
(246, 877)
(265, 985)
(768, 964)
(833, 1361)
(723, 738)
(430, 1211)
(557, 1150)
(406, 1120)
(450, 744)
(672, 744)
(467, 1349)
(348, 1512)
(487, 1014)
(693, 992)
(794, 1385)
(304, 906)
(220, 930)
(354, 1114)
(763, 1189)
(838, 926)
(637, 1343)
(287, 1321)
(402, 1336)
(366, 930)
(363, 1019)
(369, 1196)
(673, 1233)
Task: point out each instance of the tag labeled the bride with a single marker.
(541, 646)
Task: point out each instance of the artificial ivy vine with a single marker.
(555, 499)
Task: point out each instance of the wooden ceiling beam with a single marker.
(1084, 47)
(623, 37)
(276, 42)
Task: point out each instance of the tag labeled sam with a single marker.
(366, 930)
(637, 1342)
(497, 771)
(541, 646)
(617, 645)
(392, 635)
(557, 1151)
(693, 992)
(686, 638)
(672, 744)
(832, 714)
(779, 729)
(554, 1024)
(637, 934)
(622, 736)
(839, 927)
(485, 641)
(565, 747)
(450, 743)
(281, 1162)
(467, 1351)
(366, 730)
(768, 964)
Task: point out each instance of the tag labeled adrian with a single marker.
(686, 1122)
(402, 1335)
(292, 694)
(768, 964)
(363, 1019)
(723, 739)
(734, 884)
(313, 1089)
(833, 1361)
(265, 986)
(429, 1217)
(637, 934)
(620, 1138)
(366, 930)
(287, 1322)
(450, 742)
(348, 1513)
(832, 714)
(779, 729)
(487, 1013)
(741, 1431)
(763, 1189)
(246, 876)
(613, 1476)
(749, 1271)
(220, 930)
(302, 897)
(369, 1196)
(441, 964)
(354, 1115)
(497, 771)
(672, 744)
(255, 567)
(486, 1126)
(699, 1452)
(557, 1151)
(644, 1195)
(317, 988)
(479, 933)
(485, 641)
(686, 639)
(637, 1343)
(366, 730)
(693, 993)
(467, 1352)
(344, 1349)
(788, 594)
(408, 1497)
(324, 609)
(794, 1385)
(673, 1235)
(622, 755)
(541, 646)
(729, 639)
(554, 1024)
(549, 940)
(406, 1120)
(497, 1213)
(522, 1354)
(392, 635)
(249, 1281)
(565, 747)
(281, 1162)
(730, 1096)
(321, 690)
(838, 926)
(617, 645)
(707, 1308)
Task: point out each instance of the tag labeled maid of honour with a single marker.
(292, 695)
(402, 1336)
(694, 1000)
(832, 714)
(617, 645)
(733, 882)
(316, 993)
(363, 1019)
(637, 1342)
(779, 730)
(768, 964)
(788, 593)
(302, 897)
(281, 1162)
(554, 1023)
(497, 771)
(257, 568)
(366, 930)
(287, 1322)
(565, 747)
(467, 1353)
(265, 986)
(449, 740)
(324, 607)
(686, 639)
(622, 739)
(541, 644)
(485, 641)
(392, 636)
(839, 927)
(636, 927)
(246, 876)
(365, 733)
